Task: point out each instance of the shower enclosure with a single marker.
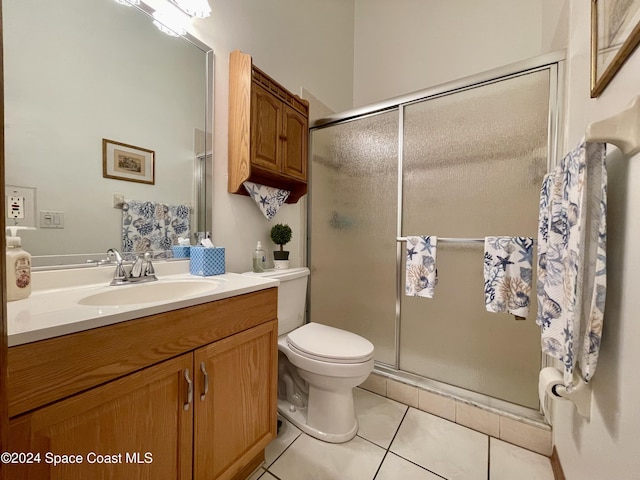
(465, 159)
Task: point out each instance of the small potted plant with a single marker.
(281, 235)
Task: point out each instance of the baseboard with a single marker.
(556, 466)
(251, 467)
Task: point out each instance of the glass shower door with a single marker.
(353, 224)
(473, 163)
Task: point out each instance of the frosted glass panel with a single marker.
(353, 221)
(473, 165)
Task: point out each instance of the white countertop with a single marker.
(53, 309)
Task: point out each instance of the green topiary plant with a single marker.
(281, 235)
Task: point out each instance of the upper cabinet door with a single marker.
(294, 158)
(266, 129)
(236, 401)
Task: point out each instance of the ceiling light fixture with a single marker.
(128, 3)
(171, 20)
(194, 8)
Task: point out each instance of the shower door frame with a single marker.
(554, 63)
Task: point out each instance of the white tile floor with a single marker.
(396, 442)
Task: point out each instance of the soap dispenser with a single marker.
(259, 259)
(18, 266)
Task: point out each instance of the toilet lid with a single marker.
(330, 344)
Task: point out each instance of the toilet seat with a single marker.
(329, 344)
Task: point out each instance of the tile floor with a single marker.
(397, 442)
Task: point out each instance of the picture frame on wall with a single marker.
(121, 161)
(615, 33)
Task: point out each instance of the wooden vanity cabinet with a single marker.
(127, 422)
(206, 413)
(231, 423)
(268, 131)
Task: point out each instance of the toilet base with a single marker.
(298, 416)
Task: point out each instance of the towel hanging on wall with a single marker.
(268, 199)
(507, 274)
(421, 272)
(151, 226)
(572, 259)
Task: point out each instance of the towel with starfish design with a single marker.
(507, 274)
(421, 273)
(268, 199)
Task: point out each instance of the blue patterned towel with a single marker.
(572, 235)
(507, 274)
(421, 273)
(268, 199)
(151, 226)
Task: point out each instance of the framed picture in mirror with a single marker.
(121, 161)
(615, 33)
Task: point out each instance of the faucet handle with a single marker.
(137, 270)
(120, 274)
(149, 270)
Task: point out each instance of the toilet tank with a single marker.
(292, 296)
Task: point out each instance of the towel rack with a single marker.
(452, 240)
(621, 130)
(449, 240)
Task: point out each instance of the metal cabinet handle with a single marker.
(189, 389)
(206, 381)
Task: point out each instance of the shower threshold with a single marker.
(499, 407)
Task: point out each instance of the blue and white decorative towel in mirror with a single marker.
(151, 226)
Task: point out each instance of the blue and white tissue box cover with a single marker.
(180, 251)
(207, 261)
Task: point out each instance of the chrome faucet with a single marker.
(142, 270)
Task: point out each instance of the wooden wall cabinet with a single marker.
(268, 131)
(207, 413)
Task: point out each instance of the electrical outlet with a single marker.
(21, 205)
(15, 207)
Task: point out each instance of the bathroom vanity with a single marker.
(178, 394)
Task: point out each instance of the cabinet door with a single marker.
(236, 403)
(294, 151)
(134, 427)
(266, 129)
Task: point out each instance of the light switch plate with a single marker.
(51, 219)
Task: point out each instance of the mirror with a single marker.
(80, 71)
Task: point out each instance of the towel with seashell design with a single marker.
(421, 272)
(508, 274)
(268, 199)
(153, 226)
(572, 260)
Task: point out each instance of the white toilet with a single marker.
(318, 365)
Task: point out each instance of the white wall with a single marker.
(606, 446)
(300, 44)
(407, 45)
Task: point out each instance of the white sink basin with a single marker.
(150, 292)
